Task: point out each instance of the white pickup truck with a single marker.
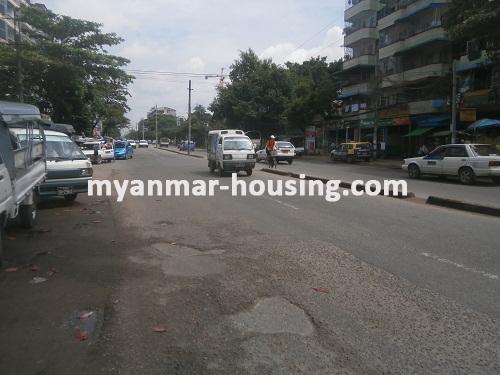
(22, 164)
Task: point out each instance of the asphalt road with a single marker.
(253, 284)
(484, 192)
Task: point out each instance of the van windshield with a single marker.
(237, 144)
(63, 148)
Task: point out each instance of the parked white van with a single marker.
(230, 151)
(68, 168)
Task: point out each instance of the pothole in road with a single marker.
(272, 316)
(188, 262)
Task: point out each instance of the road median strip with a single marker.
(182, 153)
(343, 184)
(463, 206)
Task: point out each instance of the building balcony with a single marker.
(356, 62)
(362, 6)
(414, 41)
(408, 11)
(423, 72)
(364, 89)
(366, 33)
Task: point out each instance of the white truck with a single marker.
(22, 164)
(230, 151)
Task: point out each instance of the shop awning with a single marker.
(417, 132)
(485, 123)
(431, 121)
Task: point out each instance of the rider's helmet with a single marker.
(272, 137)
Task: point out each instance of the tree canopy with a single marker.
(477, 20)
(271, 98)
(67, 71)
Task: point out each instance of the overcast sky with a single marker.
(203, 36)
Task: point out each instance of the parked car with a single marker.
(352, 151)
(123, 150)
(94, 151)
(465, 161)
(68, 168)
(285, 151)
(299, 151)
(261, 155)
(143, 143)
(132, 143)
(108, 152)
(183, 146)
(22, 164)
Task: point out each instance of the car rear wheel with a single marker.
(249, 172)
(28, 213)
(496, 180)
(413, 171)
(290, 161)
(221, 171)
(350, 160)
(466, 176)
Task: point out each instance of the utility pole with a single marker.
(189, 119)
(453, 129)
(156, 126)
(18, 41)
(142, 128)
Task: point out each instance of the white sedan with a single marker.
(143, 143)
(465, 161)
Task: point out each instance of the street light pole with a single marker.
(156, 126)
(189, 120)
(453, 129)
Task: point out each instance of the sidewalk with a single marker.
(382, 163)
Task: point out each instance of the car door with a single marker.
(5, 186)
(433, 163)
(455, 157)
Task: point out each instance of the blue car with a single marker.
(184, 146)
(123, 150)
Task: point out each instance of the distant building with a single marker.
(166, 111)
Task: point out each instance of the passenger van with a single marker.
(230, 151)
(68, 169)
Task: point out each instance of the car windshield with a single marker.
(237, 144)
(285, 145)
(485, 150)
(63, 148)
(90, 146)
(119, 145)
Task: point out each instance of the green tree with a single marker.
(256, 98)
(315, 84)
(477, 20)
(67, 71)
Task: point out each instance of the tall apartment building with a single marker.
(8, 26)
(397, 73)
(166, 111)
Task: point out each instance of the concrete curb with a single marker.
(463, 206)
(343, 184)
(181, 153)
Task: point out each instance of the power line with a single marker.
(310, 38)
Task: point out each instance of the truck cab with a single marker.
(23, 165)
